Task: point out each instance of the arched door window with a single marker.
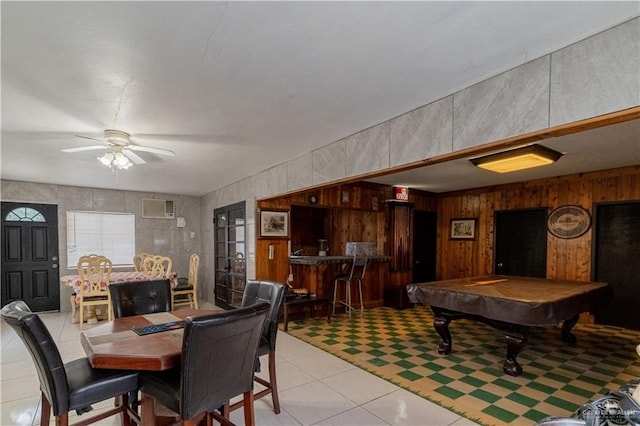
(24, 214)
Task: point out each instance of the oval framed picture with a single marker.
(569, 222)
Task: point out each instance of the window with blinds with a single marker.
(108, 234)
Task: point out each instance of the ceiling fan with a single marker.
(120, 150)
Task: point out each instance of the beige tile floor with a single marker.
(316, 388)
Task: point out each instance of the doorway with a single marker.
(230, 244)
(617, 262)
(30, 255)
(425, 230)
(521, 243)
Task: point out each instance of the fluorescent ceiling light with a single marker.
(517, 159)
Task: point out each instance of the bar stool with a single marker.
(356, 273)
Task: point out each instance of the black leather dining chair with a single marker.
(218, 357)
(266, 291)
(71, 386)
(140, 297)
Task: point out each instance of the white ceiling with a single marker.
(235, 88)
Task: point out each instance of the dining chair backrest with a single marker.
(94, 272)
(219, 352)
(157, 267)
(131, 298)
(43, 350)
(194, 263)
(274, 293)
(357, 267)
(186, 293)
(137, 260)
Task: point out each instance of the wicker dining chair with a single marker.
(157, 267)
(187, 293)
(138, 259)
(73, 298)
(94, 272)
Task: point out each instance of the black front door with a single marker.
(617, 262)
(521, 243)
(30, 255)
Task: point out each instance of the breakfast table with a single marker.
(74, 282)
(116, 344)
(149, 342)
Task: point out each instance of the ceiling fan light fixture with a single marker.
(115, 160)
(517, 159)
(106, 159)
(121, 161)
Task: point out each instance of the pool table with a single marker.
(511, 304)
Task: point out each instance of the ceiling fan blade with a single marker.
(85, 148)
(90, 138)
(153, 150)
(133, 156)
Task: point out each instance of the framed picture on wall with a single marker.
(463, 229)
(274, 224)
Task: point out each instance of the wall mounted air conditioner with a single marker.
(157, 209)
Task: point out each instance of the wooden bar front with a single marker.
(317, 274)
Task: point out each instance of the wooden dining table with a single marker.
(115, 344)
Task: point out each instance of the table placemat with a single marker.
(161, 317)
(98, 340)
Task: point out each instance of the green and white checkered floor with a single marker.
(400, 346)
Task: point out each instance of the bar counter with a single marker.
(317, 260)
(317, 273)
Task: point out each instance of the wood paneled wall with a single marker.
(364, 217)
(354, 225)
(353, 212)
(276, 269)
(566, 258)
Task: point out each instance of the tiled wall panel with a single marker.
(269, 181)
(368, 150)
(510, 104)
(596, 76)
(300, 172)
(422, 133)
(329, 163)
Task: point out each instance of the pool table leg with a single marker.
(567, 325)
(441, 324)
(515, 342)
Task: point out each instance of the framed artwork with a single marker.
(463, 229)
(274, 224)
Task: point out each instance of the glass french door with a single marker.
(229, 236)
